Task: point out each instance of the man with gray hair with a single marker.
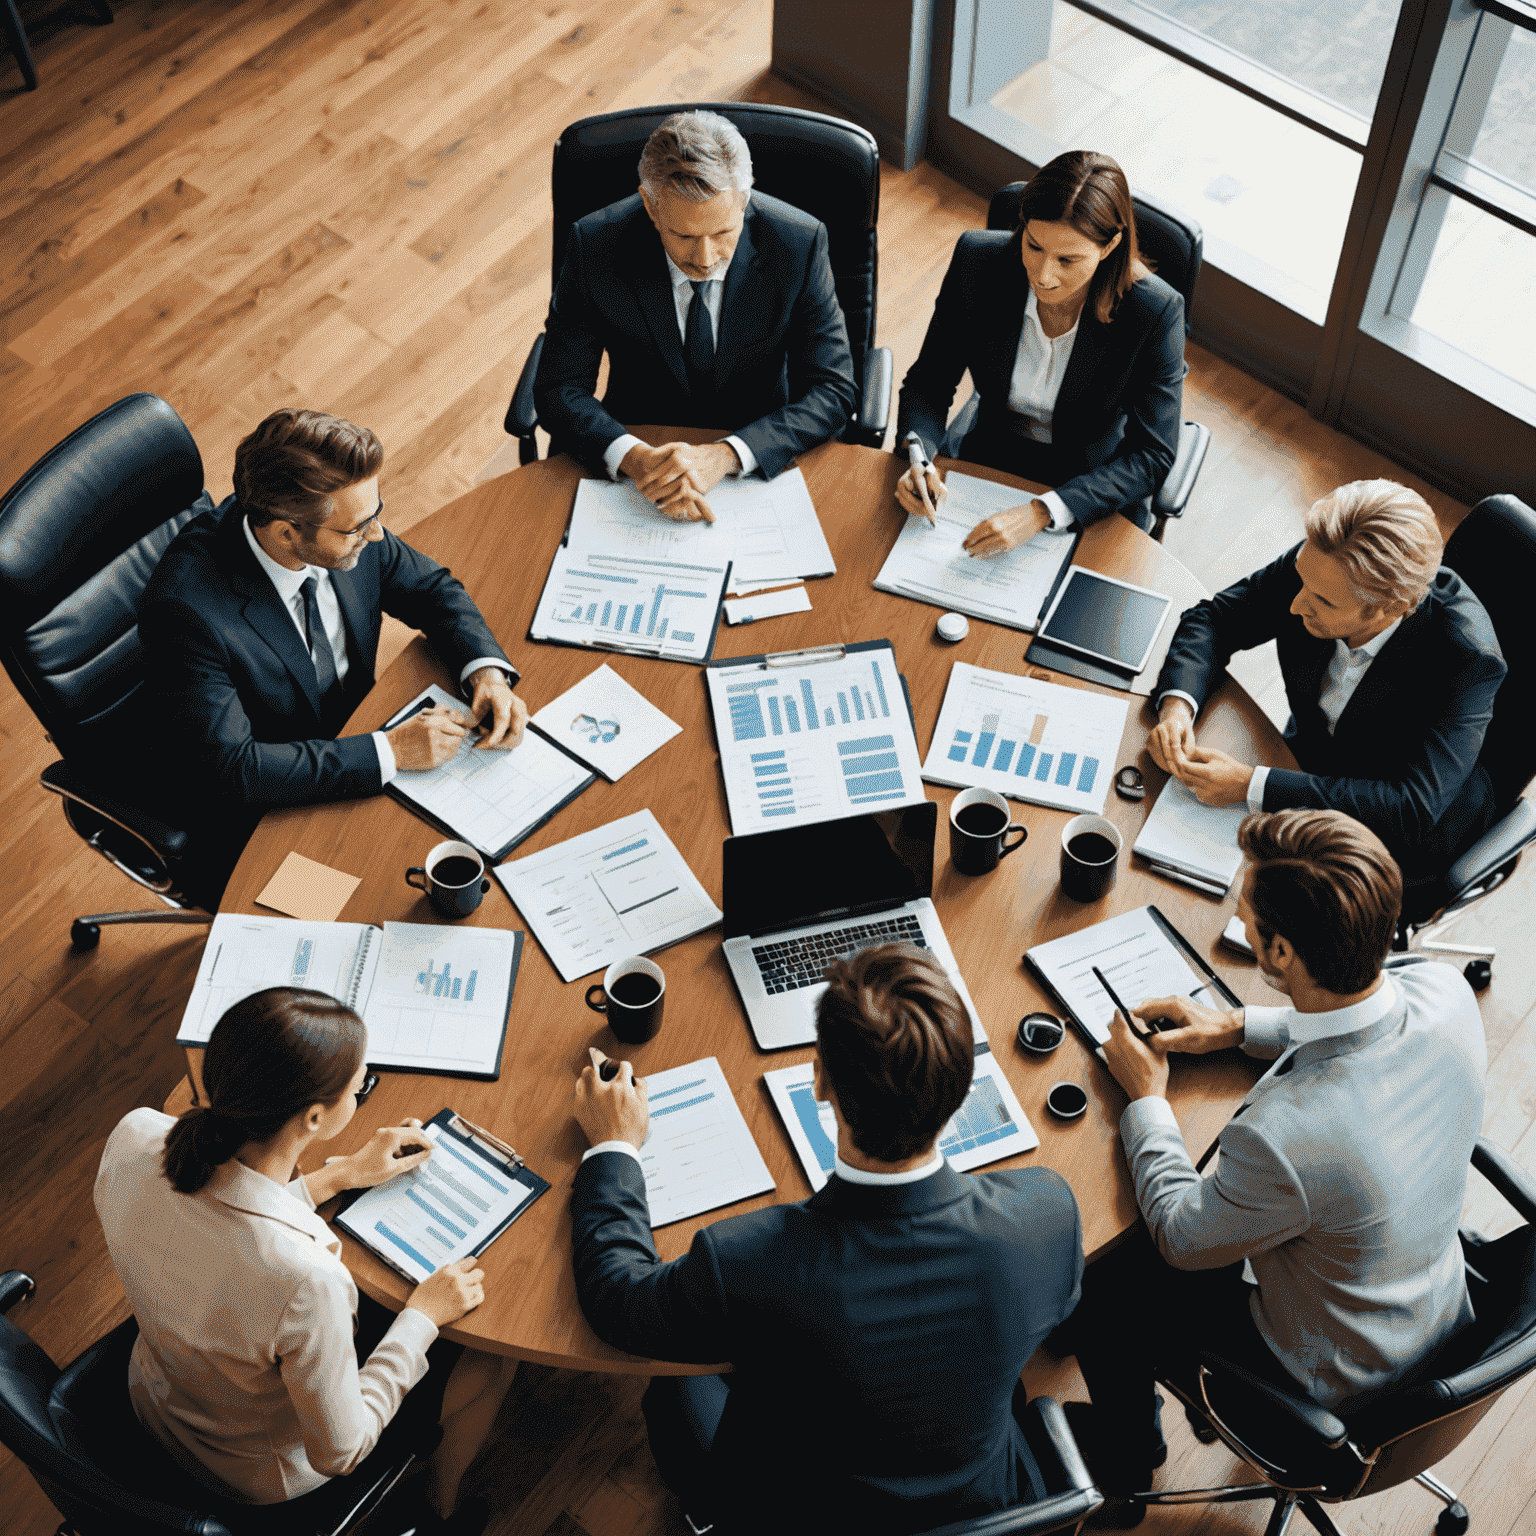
(716, 307)
(1390, 663)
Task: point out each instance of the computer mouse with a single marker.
(953, 626)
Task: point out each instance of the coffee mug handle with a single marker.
(1008, 847)
(485, 885)
(601, 1007)
(420, 885)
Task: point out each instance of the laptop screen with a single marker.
(814, 873)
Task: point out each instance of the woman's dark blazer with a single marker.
(1115, 430)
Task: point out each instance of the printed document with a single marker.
(698, 1154)
(1200, 840)
(988, 1126)
(618, 890)
(606, 723)
(488, 798)
(1040, 742)
(929, 562)
(814, 739)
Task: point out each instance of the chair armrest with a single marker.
(1500, 843)
(1263, 1419)
(1173, 495)
(169, 842)
(869, 427)
(1506, 1176)
(15, 1285)
(522, 416)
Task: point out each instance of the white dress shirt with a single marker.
(844, 1170)
(682, 297)
(1346, 671)
(245, 1366)
(1039, 366)
(289, 586)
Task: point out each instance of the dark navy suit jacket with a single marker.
(877, 1334)
(244, 724)
(1115, 428)
(1404, 756)
(783, 373)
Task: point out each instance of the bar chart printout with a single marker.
(814, 740)
(1031, 740)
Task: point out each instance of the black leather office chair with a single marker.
(1175, 246)
(823, 165)
(16, 36)
(1309, 1457)
(76, 1432)
(80, 535)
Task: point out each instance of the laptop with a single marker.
(797, 898)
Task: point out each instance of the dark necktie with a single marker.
(699, 344)
(319, 645)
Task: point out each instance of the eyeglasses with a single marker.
(359, 532)
(369, 1084)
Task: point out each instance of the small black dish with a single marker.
(1067, 1101)
(1129, 784)
(1041, 1033)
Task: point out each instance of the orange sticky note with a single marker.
(303, 888)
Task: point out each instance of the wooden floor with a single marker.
(344, 203)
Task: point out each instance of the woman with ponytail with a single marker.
(246, 1367)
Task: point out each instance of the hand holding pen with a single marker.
(611, 1103)
(1139, 1069)
(920, 490)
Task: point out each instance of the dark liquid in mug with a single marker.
(1091, 848)
(455, 870)
(982, 820)
(635, 990)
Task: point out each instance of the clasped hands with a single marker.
(994, 535)
(676, 477)
(1140, 1062)
(432, 736)
(1212, 776)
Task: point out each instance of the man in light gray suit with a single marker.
(1323, 1248)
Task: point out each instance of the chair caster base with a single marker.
(83, 935)
(1453, 1520)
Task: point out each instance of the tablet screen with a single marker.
(1106, 618)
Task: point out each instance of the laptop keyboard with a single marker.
(786, 965)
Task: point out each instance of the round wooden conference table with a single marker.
(499, 539)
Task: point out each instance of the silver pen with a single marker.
(1208, 886)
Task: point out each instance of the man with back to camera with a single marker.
(1391, 665)
(1323, 1252)
(878, 1329)
(260, 629)
(716, 307)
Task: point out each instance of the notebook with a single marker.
(1192, 839)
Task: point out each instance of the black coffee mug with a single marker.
(631, 995)
(1067, 1101)
(1090, 854)
(978, 831)
(454, 879)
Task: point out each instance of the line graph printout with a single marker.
(1030, 740)
(492, 799)
(698, 1154)
(989, 1125)
(618, 890)
(813, 740)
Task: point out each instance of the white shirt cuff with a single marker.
(613, 454)
(742, 452)
(1178, 693)
(1148, 1114)
(1266, 1032)
(486, 661)
(388, 767)
(611, 1146)
(413, 1327)
(1256, 782)
(1061, 517)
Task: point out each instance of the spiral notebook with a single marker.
(435, 999)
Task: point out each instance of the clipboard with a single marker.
(477, 1143)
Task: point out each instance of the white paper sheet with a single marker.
(1198, 839)
(929, 563)
(1040, 742)
(618, 890)
(814, 740)
(699, 1154)
(606, 723)
(491, 799)
(990, 1124)
(767, 605)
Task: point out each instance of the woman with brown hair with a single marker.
(1076, 351)
(246, 1368)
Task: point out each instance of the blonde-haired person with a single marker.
(1390, 665)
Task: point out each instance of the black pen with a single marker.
(609, 1069)
(1130, 1023)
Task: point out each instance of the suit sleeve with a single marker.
(1154, 407)
(633, 1301)
(190, 665)
(820, 372)
(565, 387)
(1404, 809)
(928, 390)
(1248, 613)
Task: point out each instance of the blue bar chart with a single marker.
(650, 605)
(766, 706)
(444, 985)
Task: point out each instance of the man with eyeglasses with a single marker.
(260, 630)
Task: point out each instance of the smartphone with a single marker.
(1235, 936)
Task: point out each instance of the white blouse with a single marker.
(245, 1366)
(1039, 366)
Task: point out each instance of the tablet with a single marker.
(1107, 619)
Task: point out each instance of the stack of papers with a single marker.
(930, 564)
(1192, 839)
(606, 723)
